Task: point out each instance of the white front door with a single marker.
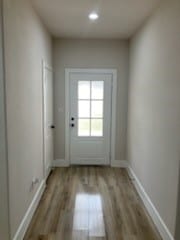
(48, 119)
(90, 118)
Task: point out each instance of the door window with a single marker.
(90, 108)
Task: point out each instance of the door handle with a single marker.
(52, 126)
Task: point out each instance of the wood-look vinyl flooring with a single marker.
(90, 203)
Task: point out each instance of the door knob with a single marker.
(52, 126)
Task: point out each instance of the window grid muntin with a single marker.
(90, 105)
(102, 109)
(91, 118)
(93, 98)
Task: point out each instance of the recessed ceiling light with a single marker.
(93, 16)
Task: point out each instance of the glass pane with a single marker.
(97, 127)
(97, 90)
(84, 109)
(97, 109)
(84, 89)
(84, 127)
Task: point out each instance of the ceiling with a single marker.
(117, 18)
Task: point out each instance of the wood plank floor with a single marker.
(91, 203)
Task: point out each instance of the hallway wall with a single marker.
(4, 211)
(154, 112)
(26, 43)
(177, 233)
(77, 53)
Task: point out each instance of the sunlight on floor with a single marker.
(88, 215)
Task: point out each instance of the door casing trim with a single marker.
(113, 72)
(45, 67)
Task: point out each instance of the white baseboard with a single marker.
(119, 163)
(30, 212)
(161, 226)
(158, 221)
(114, 163)
(60, 163)
(48, 172)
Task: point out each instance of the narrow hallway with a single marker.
(89, 120)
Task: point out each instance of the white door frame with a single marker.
(44, 67)
(69, 71)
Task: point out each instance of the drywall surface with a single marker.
(177, 233)
(154, 112)
(4, 213)
(26, 43)
(76, 53)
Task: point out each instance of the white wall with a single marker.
(76, 53)
(177, 233)
(154, 108)
(26, 44)
(4, 213)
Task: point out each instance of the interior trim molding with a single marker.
(158, 221)
(114, 163)
(30, 212)
(60, 163)
(45, 66)
(111, 71)
(119, 163)
(48, 172)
